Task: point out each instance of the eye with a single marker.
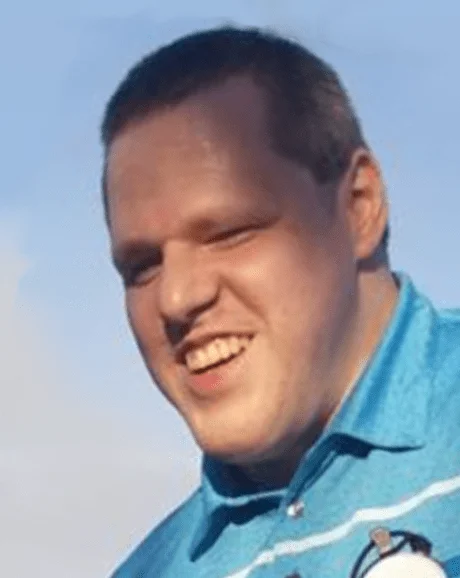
(141, 272)
(233, 236)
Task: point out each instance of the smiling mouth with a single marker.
(217, 352)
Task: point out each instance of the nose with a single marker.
(187, 287)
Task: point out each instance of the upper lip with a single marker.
(196, 341)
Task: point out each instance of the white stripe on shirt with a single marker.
(292, 547)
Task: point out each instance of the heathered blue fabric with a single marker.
(391, 457)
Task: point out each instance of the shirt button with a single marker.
(296, 509)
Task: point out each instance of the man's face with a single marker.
(239, 280)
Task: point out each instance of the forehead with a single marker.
(210, 128)
(211, 151)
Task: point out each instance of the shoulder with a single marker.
(444, 364)
(445, 344)
(154, 554)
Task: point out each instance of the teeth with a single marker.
(233, 344)
(217, 350)
(213, 353)
(201, 357)
(224, 349)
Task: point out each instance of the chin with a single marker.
(236, 451)
(224, 432)
(230, 453)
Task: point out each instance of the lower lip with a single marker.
(219, 378)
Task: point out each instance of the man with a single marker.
(249, 223)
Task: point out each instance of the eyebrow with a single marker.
(138, 248)
(198, 229)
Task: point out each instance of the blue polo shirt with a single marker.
(390, 457)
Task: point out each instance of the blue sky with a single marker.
(87, 440)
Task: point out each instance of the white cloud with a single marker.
(77, 489)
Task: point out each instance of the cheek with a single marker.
(294, 290)
(137, 309)
(144, 322)
(280, 280)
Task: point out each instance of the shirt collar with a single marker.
(224, 486)
(387, 407)
(222, 490)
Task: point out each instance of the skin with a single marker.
(226, 235)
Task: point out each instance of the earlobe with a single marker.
(367, 205)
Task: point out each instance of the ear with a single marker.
(366, 204)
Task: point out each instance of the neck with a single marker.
(378, 295)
